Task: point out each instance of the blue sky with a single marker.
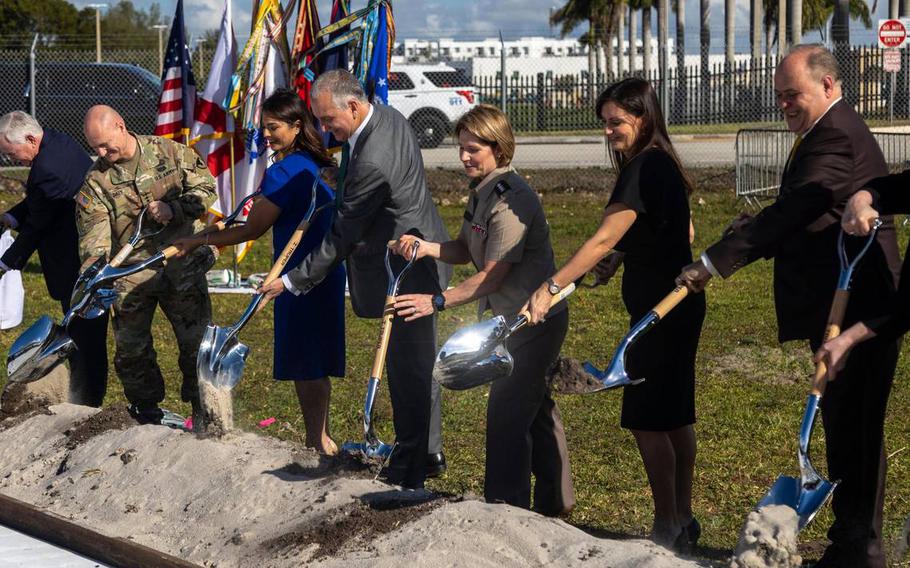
(473, 19)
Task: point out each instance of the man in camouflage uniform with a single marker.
(133, 172)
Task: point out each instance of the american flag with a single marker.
(178, 86)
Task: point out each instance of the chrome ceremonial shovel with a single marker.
(222, 357)
(477, 354)
(44, 345)
(808, 493)
(372, 446)
(615, 374)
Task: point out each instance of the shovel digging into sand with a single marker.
(44, 345)
(222, 357)
(808, 493)
(615, 375)
(372, 447)
(477, 354)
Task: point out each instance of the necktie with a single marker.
(796, 144)
(342, 172)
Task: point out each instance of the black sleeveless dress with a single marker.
(656, 249)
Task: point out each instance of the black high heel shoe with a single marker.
(693, 532)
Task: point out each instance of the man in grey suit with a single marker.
(382, 194)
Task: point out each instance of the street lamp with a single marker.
(160, 28)
(97, 8)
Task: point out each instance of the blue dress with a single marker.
(309, 328)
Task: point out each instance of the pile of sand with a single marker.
(768, 539)
(247, 500)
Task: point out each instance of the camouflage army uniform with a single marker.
(108, 204)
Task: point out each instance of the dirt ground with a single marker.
(246, 500)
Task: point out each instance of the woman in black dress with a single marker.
(647, 220)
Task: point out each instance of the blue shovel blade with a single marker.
(805, 500)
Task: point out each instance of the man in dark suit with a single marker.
(383, 195)
(834, 156)
(46, 222)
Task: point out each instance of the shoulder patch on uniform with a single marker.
(84, 199)
(501, 187)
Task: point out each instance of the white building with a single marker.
(532, 47)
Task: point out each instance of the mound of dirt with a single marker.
(21, 401)
(246, 500)
(114, 417)
(352, 526)
(768, 540)
(567, 376)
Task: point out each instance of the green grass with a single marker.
(750, 393)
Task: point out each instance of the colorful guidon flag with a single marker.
(178, 86)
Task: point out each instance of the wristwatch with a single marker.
(439, 302)
(553, 287)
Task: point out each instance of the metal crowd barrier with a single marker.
(762, 154)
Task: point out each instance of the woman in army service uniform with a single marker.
(506, 236)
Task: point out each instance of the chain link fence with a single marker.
(549, 99)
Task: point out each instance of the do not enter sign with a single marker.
(892, 33)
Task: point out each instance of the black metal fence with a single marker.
(717, 94)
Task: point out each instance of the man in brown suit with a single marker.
(834, 156)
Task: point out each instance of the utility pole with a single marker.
(97, 8)
(160, 28)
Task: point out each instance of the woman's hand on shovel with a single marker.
(859, 214)
(834, 352)
(538, 305)
(404, 246)
(414, 306)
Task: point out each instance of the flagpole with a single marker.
(235, 281)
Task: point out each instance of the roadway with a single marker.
(590, 151)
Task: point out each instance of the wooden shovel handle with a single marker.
(170, 252)
(382, 347)
(670, 301)
(286, 253)
(833, 329)
(121, 255)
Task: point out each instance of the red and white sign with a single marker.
(892, 60)
(892, 33)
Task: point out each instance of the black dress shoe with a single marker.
(436, 464)
(145, 413)
(693, 532)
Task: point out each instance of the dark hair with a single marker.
(287, 106)
(637, 97)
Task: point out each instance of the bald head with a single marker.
(106, 134)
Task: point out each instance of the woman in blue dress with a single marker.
(309, 328)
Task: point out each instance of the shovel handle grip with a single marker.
(124, 252)
(670, 301)
(170, 252)
(833, 329)
(382, 347)
(563, 294)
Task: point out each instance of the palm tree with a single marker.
(816, 14)
(572, 14)
(633, 37)
(646, 37)
(756, 27)
(840, 23)
(729, 21)
(681, 82)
